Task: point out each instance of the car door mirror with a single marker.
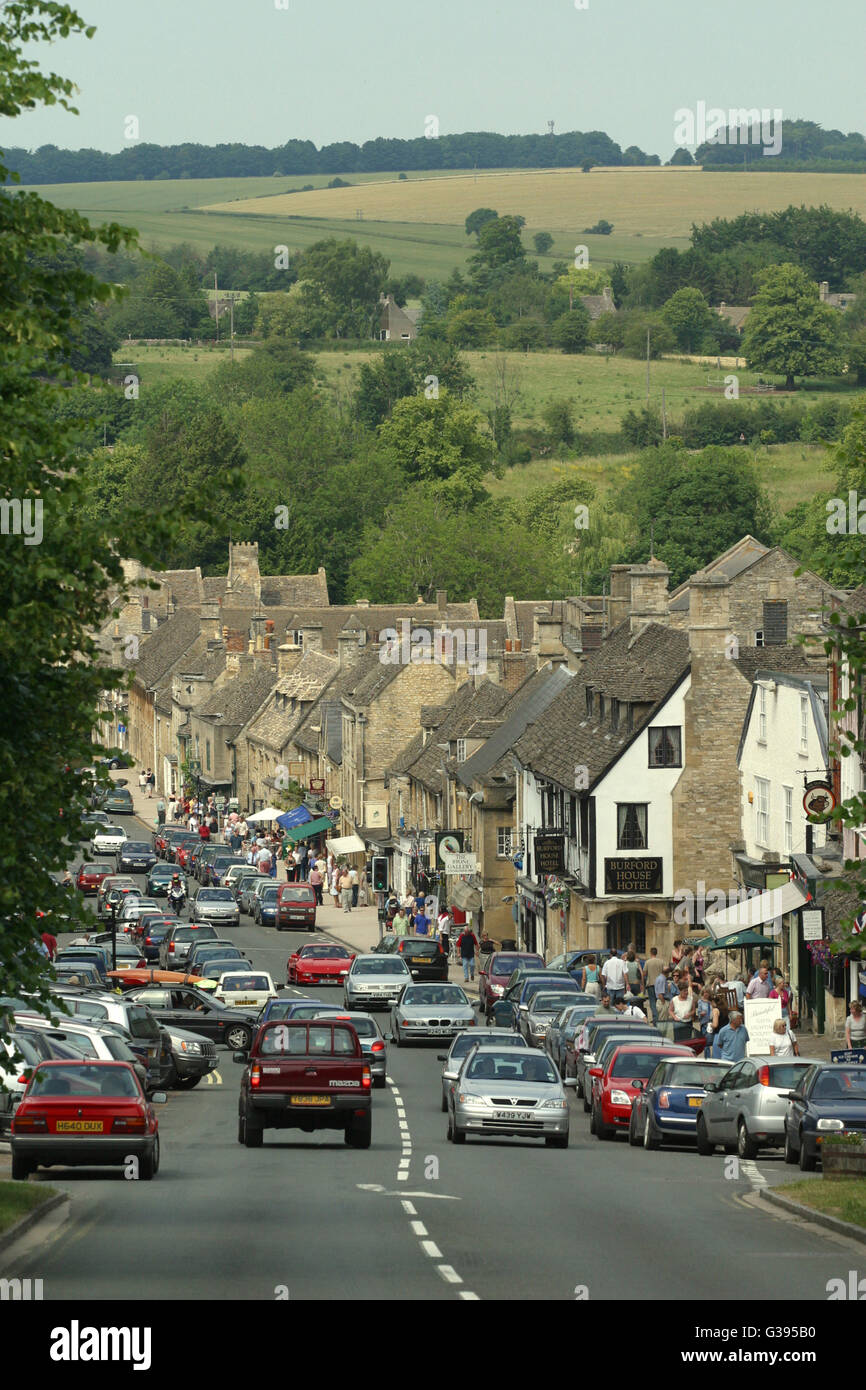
(639, 1085)
(159, 1098)
(441, 1057)
(570, 1081)
(711, 1086)
(595, 1071)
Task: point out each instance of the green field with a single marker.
(175, 363)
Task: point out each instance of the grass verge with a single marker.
(844, 1198)
(19, 1198)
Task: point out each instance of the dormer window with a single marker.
(614, 714)
(461, 750)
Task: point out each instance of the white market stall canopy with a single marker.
(346, 844)
(269, 813)
(752, 912)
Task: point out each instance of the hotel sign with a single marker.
(549, 854)
(632, 876)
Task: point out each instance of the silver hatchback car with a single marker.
(745, 1108)
(215, 905)
(508, 1091)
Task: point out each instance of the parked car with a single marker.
(746, 1108)
(215, 905)
(829, 1099)
(251, 892)
(89, 1113)
(106, 1043)
(375, 982)
(498, 970)
(430, 1011)
(118, 802)
(265, 906)
(183, 852)
(615, 1082)
(296, 907)
(319, 963)
(239, 869)
(177, 945)
(136, 857)
(463, 1044)
(592, 1036)
(136, 1021)
(667, 1106)
(508, 1091)
(206, 856)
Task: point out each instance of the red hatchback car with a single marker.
(614, 1089)
(296, 907)
(91, 875)
(319, 963)
(85, 1114)
(494, 976)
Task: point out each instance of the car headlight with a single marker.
(553, 1105)
(830, 1124)
(497, 989)
(190, 1047)
(620, 1098)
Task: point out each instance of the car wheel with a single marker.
(444, 1105)
(556, 1141)
(650, 1138)
(586, 1105)
(449, 1133)
(807, 1160)
(379, 1082)
(592, 1120)
(148, 1166)
(458, 1136)
(359, 1134)
(186, 1083)
(396, 1036)
(603, 1131)
(21, 1168)
(254, 1134)
(633, 1136)
(239, 1039)
(705, 1148)
(746, 1146)
(241, 1129)
(790, 1154)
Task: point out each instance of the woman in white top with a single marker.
(855, 1025)
(784, 1042)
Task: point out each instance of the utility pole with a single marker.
(647, 364)
(664, 417)
(232, 321)
(216, 306)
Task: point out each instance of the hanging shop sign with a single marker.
(819, 799)
(633, 876)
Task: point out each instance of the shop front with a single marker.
(532, 917)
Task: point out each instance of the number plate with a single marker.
(510, 1115)
(79, 1127)
(310, 1100)
(696, 1101)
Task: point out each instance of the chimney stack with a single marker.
(620, 596)
(311, 636)
(709, 614)
(349, 642)
(648, 600)
(209, 620)
(288, 656)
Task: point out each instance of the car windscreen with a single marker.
(640, 1065)
(487, 1067)
(215, 895)
(434, 994)
(142, 1024)
(840, 1083)
(323, 953)
(236, 984)
(379, 967)
(506, 965)
(692, 1074)
(137, 847)
(292, 894)
(94, 1080)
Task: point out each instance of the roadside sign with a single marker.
(850, 1054)
(460, 863)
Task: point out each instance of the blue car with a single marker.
(265, 907)
(292, 1007)
(829, 1099)
(668, 1105)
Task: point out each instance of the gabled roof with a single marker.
(466, 711)
(238, 699)
(639, 669)
(168, 644)
(738, 557)
(528, 704)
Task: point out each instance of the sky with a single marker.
(261, 72)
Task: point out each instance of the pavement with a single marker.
(358, 929)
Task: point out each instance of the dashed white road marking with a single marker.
(469, 1297)
(448, 1274)
(418, 1228)
(432, 1249)
(753, 1173)
(409, 1209)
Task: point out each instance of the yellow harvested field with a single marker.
(650, 202)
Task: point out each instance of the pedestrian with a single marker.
(613, 972)
(356, 883)
(235, 840)
(467, 949)
(345, 886)
(760, 985)
(443, 926)
(629, 1011)
(683, 1012)
(263, 859)
(421, 923)
(677, 952)
(708, 1017)
(392, 902)
(49, 941)
(590, 978)
(634, 974)
(659, 995)
(855, 1026)
(730, 1044)
(605, 1007)
(782, 992)
(315, 881)
(204, 831)
(151, 782)
(400, 922)
(783, 1042)
(296, 864)
(272, 849)
(160, 811)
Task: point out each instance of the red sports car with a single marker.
(319, 963)
(614, 1088)
(85, 1114)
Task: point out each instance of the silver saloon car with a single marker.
(462, 1046)
(215, 905)
(431, 1011)
(375, 982)
(508, 1091)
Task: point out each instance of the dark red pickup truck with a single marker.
(305, 1074)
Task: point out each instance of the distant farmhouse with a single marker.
(396, 324)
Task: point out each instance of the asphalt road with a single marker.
(415, 1217)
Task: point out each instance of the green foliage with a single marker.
(470, 328)
(439, 442)
(559, 422)
(691, 320)
(570, 331)
(340, 286)
(789, 330)
(479, 218)
(499, 243)
(162, 303)
(542, 241)
(271, 370)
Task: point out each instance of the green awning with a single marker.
(310, 827)
(738, 938)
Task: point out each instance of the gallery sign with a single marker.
(633, 876)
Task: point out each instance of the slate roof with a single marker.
(528, 704)
(637, 669)
(275, 725)
(465, 713)
(526, 610)
(168, 644)
(739, 557)
(238, 699)
(791, 659)
(185, 585)
(565, 736)
(372, 619)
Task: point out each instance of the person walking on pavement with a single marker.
(683, 1012)
(316, 883)
(356, 883)
(151, 782)
(613, 972)
(421, 923)
(400, 922)
(160, 811)
(855, 1026)
(344, 883)
(651, 973)
(760, 985)
(731, 1040)
(783, 1042)
(142, 781)
(590, 978)
(467, 949)
(49, 941)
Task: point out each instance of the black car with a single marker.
(135, 857)
(190, 1009)
(830, 1099)
(116, 760)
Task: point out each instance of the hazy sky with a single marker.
(214, 71)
